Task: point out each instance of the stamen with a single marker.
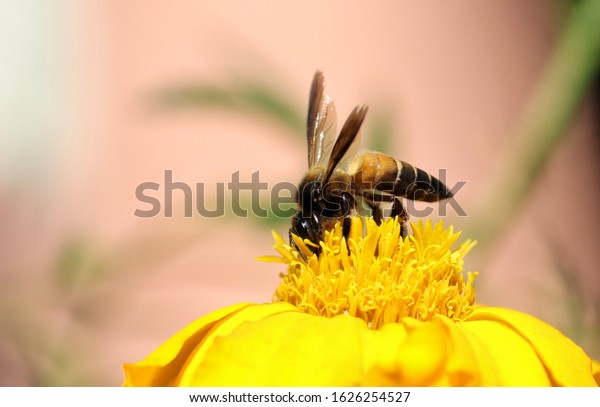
(379, 277)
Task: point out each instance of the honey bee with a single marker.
(340, 181)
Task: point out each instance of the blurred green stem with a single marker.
(248, 94)
(547, 117)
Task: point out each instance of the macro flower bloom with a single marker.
(374, 310)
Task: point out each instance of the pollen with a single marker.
(377, 276)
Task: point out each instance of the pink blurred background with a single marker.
(86, 286)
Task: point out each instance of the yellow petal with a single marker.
(514, 361)
(286, 349)
(434, 353)
(272, 259)
(422, 357)
(520, 342)
(596, 371)
(162, 366)
(380, 355)
(194, 373)
(297, 349)
(484, 363)
(466, 359)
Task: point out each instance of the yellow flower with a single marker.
(374, 310)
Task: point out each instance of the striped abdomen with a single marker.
(376, 171)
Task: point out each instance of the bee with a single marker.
(341, 181)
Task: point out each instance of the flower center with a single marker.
(379, 277)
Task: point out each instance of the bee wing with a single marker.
(348, 141)
(321, 123)
(346, 162)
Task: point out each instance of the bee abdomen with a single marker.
(416, 184)
(386, 174)
(373, 170)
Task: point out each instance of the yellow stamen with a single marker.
(379, 277)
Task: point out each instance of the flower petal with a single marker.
(596, 371)
(433, 353)
(514, 361)
(285, 349)
(380, 353)
(228, 330)
(513, 336)
(162, 366)
(467, 360)
(422, 357)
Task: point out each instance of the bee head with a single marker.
(307, 227)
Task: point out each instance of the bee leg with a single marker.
(292, 243)
(346, 230)
(376, 212)
(399, 211)
(374, 203)
(295, 246)
(346, 226)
